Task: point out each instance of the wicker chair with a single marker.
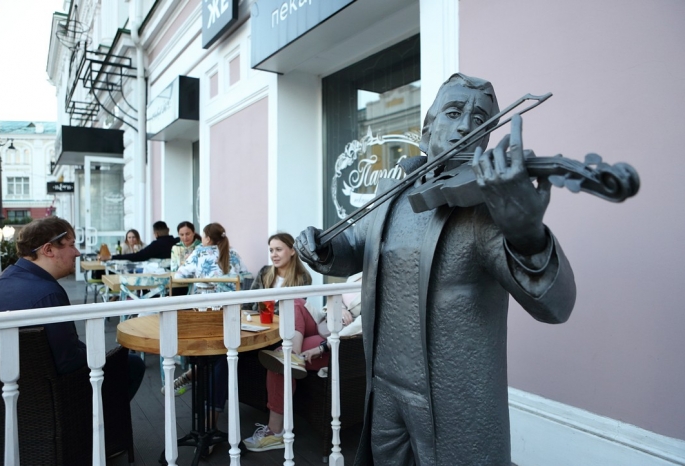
(312, 398)
(55, 412)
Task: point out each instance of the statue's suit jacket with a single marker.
(465, 277)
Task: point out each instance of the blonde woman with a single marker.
(310, 350)
(132, 243)
(286, 270)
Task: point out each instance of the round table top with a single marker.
(199, 334)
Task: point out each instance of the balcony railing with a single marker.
(95, 314)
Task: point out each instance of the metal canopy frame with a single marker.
(100, 72)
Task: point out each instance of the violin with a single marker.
(458, 187)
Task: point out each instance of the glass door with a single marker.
(102, 216)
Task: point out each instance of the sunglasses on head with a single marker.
(50, 241)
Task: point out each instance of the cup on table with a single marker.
(266, 311)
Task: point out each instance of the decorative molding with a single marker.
(548, 432)
(189, 26)
(238, 106)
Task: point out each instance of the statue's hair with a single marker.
(457, 79)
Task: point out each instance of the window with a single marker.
(372, 119)
(19, 157)
(18, 187)
(15, 217)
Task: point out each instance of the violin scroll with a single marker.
(613, 183)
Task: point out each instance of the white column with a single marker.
(177, 183)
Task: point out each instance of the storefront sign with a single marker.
(276, 23)
(175, 112)
(60, 187)
(217, 17)
(358, 169)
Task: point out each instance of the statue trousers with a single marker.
(401, 427)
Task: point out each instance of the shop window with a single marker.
(18, 187)
(372, 119)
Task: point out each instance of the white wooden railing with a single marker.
(95, 314)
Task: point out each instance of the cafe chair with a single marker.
(93, 285)
(206, 284)
(138, 286)
(55, 411)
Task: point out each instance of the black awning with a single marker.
(73, 143)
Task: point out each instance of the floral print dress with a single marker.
(203, 262)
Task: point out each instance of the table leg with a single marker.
(203, 431)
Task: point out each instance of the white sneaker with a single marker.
(263, 439)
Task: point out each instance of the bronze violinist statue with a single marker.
(436, 288)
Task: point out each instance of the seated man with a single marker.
(160, 248)
(48, 252)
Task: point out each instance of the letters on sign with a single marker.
(286, 9)
(217, 18)
(359, 182)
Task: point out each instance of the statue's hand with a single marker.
(516, 205)
(308, 248)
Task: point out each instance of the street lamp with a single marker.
(10, 151)
(6, 234)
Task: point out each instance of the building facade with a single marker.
(30, 189)
(272, 115)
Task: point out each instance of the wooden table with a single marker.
(92, 265)
(199, 334)
(201, 337)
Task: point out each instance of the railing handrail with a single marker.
(50, 315)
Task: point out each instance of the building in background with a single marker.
(268, 115)
(30, 190)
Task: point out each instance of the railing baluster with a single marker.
(9, 374)
(95, 344)
(334, 321)
(287, 332)
(168, 347)
(232, 342)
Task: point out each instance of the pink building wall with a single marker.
(239, 181)
(173, 28)
(616, 68)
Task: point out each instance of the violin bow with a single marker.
(480, 132)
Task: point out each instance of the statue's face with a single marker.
(460, 111)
